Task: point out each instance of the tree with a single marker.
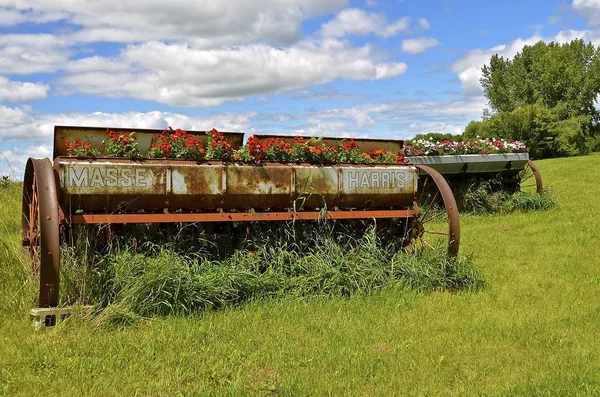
(562, 77)
(545, 97)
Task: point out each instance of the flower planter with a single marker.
(473, 163)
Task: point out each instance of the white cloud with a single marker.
(32, 53)
(10, 17)
(14, 122)
(179, 75)
(589, 9)
(17, 91)
(204, 22)
(468, 67)
(355, 21)
(424, 24)
(12, 161)
(419, 45)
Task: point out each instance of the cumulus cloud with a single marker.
(589, 9)
(16, 91)
(419, 45)
(32, 53)
(12, 161)
(206, 23)
(153, 71)
(355, 21)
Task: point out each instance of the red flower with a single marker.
(400, 158)
(165, 147)
(349, 144)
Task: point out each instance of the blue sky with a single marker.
(348, 68)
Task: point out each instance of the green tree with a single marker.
(545, 97)
(562, 77)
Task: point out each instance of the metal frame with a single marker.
(238, 216)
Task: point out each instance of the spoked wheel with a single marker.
(436, 204)
(530, 179)
(40, 227)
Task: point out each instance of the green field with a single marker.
(533, 330)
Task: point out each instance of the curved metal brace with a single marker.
(451, 208)
(41, 172)
(536, 174)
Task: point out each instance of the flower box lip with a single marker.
(163, 160)
(487, 156)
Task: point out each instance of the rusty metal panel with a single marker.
(95, 135)
(125, 185)
(315, 186)
(196, 185)
(364, 144)
(258, 186)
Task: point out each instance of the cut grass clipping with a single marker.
(162, 280)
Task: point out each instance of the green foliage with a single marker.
(562, 77)
(489, 197)
(121, 145)
(545, 97)
(539, 128)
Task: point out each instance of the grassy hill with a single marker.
(534, 329)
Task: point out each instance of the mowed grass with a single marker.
(534, 329)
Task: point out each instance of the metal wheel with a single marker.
(530, 179)
(436, 203)
(40, 227)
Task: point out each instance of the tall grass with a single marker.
(159, 280)
(489, 197)
(17, 286)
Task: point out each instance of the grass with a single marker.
(480, 198)
(160, 280)
(532, 331)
